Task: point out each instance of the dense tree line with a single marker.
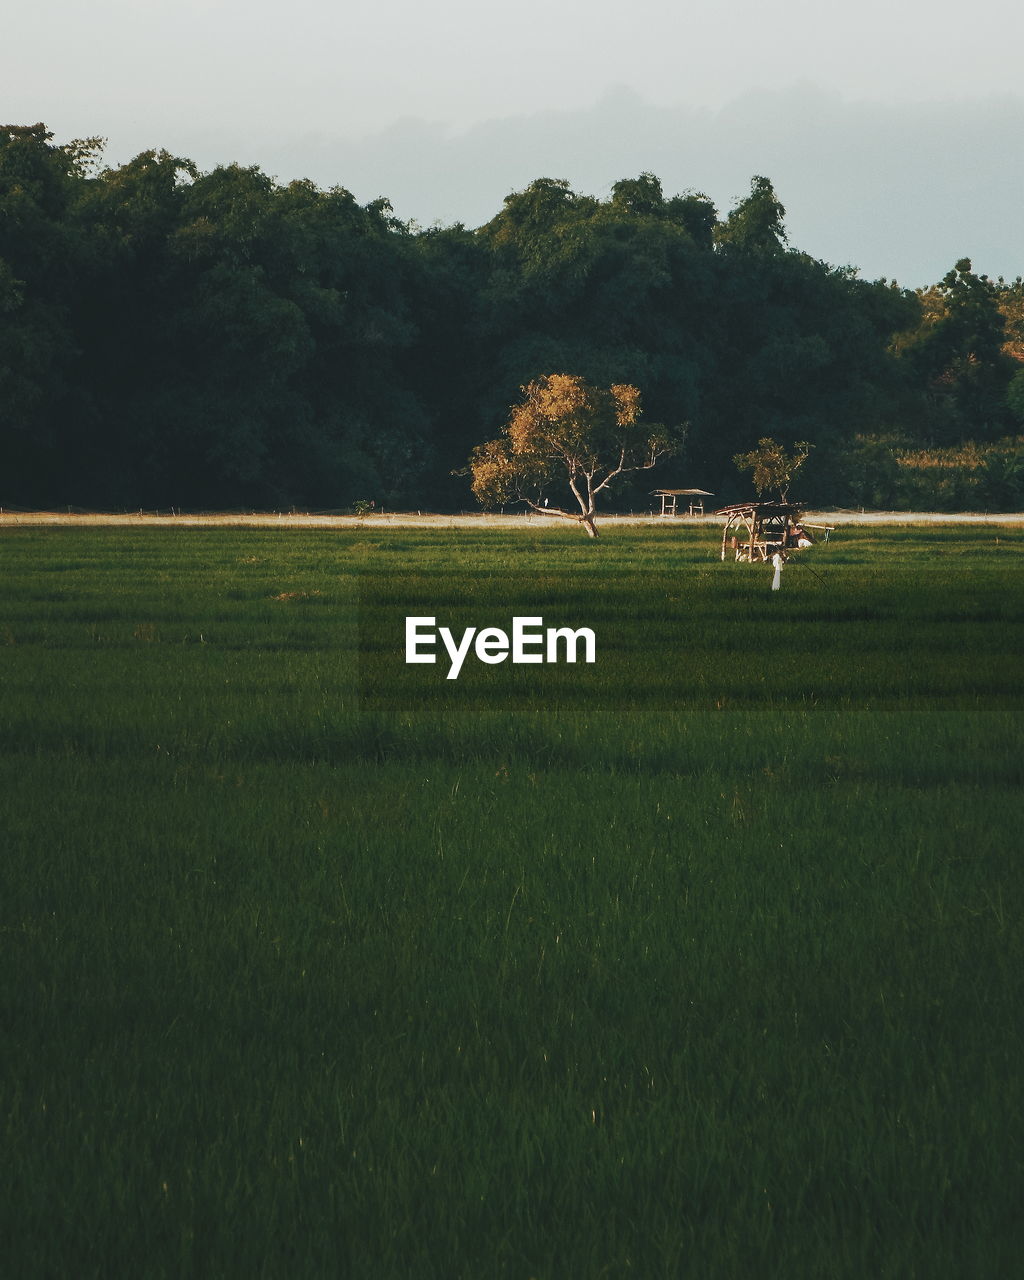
(176, 338)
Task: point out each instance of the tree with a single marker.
(618, 291)
(774, 469)
(567, 431)
(756, 224)
(45, 268)
(961, 352)
(1015, 396)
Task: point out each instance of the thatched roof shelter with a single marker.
(670, 498)
(756, 530)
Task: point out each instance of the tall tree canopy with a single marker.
(169, 336)
(959, 354)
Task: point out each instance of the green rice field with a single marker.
(704, 960)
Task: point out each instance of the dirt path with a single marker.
(426, 520)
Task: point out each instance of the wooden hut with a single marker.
(755, 531)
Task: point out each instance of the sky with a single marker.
(891, 129)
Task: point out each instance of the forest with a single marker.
(220, 340)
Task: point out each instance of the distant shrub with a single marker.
(889, 472)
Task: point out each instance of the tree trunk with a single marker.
(590, 526)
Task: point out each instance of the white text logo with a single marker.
(530, 641)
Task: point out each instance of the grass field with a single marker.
(704, 960)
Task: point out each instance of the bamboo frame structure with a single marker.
(755, 531)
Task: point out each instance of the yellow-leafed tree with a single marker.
(566, 432)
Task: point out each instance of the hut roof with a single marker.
(761, 509)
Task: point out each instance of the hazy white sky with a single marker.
(433, 104)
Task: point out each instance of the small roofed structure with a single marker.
(755, 531)
(670, 499)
